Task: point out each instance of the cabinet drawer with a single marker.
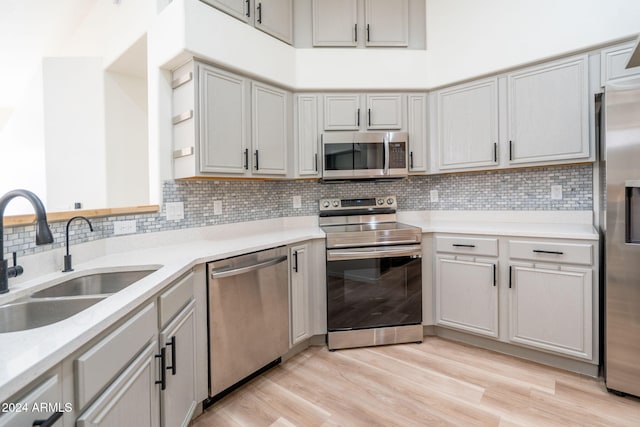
(97, 367)
(48, 393)
(467, 245)
(570, 253)
(177, 296)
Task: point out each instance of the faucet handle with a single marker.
(16, 269)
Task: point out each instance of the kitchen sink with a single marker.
(93, 284)
(31, 314)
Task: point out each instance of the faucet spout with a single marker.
(67, 257)
(43, 233)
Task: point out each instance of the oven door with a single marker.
(374, 287)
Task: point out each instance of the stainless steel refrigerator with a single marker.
(621, 161)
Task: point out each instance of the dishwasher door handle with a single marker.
(221, 273)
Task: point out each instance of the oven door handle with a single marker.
(369, 253)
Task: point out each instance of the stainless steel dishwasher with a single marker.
(248, 314)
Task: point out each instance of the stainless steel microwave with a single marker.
(364, 155)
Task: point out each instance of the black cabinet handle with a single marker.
(358, 117)
(316, 160)
(510, 150)
(368, 33)
(248, 8)
(494, 275)
(538, 251)
(295, 261)
(369, 117)
(495, 151)
(510, 268)
(49, 421)
(172, 343)
(257, 163)
(163, 368)
(259, 13)
(463, 246)
(410, 159)
(246, 159)
(355, 31)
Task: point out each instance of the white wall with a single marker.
(74, 133)
(126, 139)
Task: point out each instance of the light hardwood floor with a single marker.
(438, 382)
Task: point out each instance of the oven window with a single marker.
(366, 293)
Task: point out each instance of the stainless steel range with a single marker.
(374, 273)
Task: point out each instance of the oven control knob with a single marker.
(380, 201)
(390, 201)
(325, 204)
(336, 203)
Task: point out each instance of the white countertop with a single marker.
(28, 354)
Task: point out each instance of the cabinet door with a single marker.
(551, 309)
(223, 123)
(468, 125)
(384, 111)
(236, 8)
(387, 22)
(549, 112)
(178, 399)
(467, 295)
(131, 400)
(335, 22)
(270, 135)
(299, 294)
(342, 112)
(275, 17)
(307, 134)
(418, 132)
(47, 392)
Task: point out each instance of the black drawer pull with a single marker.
(538, 251)
(49, 421)
(457, 245)
(510, 268)
(163, 368)
(172, 343)
(494, 275)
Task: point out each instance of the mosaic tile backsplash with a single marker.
(520, 189)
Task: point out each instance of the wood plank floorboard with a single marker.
(436, 383)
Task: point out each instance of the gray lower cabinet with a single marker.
(336, 23)
(131, 399)
(42, 400)
(299, 294)
(227, 125)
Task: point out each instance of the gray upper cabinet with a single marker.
(363, 112)
(549, 112)
(223, 117)
(467, 122)
(417, 127)
(240, 9)
(335, 22)
(351, 23)
(275, 17)
(270, 129)
(387, 22)
(307, 135)
(228, 125)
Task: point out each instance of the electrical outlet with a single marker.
(217, 207)
(175, 211)
(297, 202)
(433, 195)
(125, 227)
(556, 192)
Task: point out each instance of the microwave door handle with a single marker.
(385, 154)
